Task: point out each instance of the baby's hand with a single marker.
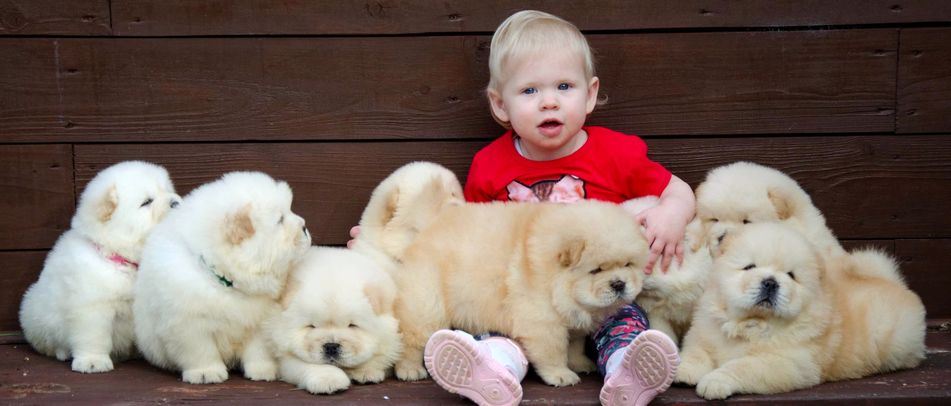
(354, 232)
(664, 228)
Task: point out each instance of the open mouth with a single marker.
(550, 124)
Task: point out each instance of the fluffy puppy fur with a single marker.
(81, 306)
(212, 272)
(337, 322)
(543, 274)
(669, 297)
(777, 316)
(392, 218)
(743, 192)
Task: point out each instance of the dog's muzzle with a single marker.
(768, 288)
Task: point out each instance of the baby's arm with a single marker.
(665, 223)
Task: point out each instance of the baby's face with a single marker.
(546, 99)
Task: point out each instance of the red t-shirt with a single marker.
(610, 166)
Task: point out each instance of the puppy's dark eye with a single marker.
(713, 220)
(748, 267)
(595, 271)
(745, 221)
(311, 326)
(174, 203)
(280, 220)
(146, 202)
(791, 275)
(352, 325)
(629, 265)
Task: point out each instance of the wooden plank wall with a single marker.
(852, 98)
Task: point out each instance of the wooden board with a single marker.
(240, 89)
(223, 17)
(51, 17)
(924, 264)
(924, 81)
(866, 186)
(27, 377)
(36, 194)
(19, 271)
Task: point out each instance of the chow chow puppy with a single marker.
(777, 316)
(212, 272)
(544, 274)
(81, 306)
(743, 192)
(337, 322)
(669, 297)
(393, 216)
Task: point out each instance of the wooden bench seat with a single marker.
(29, 378)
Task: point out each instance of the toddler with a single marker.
(542, 87)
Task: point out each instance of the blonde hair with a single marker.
(529, 32)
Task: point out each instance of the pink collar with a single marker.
(116, 258)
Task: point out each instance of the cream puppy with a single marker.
(81, 306)
(777, 316)
(393, 216)
(743, 193)
(544, 274)
(212, 272)
(337, 322)
(669, 297)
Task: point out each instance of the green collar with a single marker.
(221, 279)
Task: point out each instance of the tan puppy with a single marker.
(774, 319)
(212, 272)
(394, 215)
(744, 192)
(543, 274)
(81, 307)
(669, 297)
(337, 322)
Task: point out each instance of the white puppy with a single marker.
(81, 307)
(337, 322)
(212, 272)
(743, 193)
(669, 297)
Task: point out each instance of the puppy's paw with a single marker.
(558, 376)
(715, 386)
(325, 380)
(260, 371)
(212, 374)
(690, 373)
(580, 363)
(92, 363)
(367, 375)
(410, 371)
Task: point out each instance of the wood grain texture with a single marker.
(264, 17)
(924, 81)
(29, 378)
(241, 89)
(51, 17)
(867, 187)
(924, 263)
(36, 194)
(19, 270)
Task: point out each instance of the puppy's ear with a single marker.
(107, 204)
(381, 297)
(570, 253)
(238, 226)
(389, 209)
(784, 206)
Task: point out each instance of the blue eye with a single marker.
(530, 90)
(564, 86)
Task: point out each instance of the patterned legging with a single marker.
(617, 331)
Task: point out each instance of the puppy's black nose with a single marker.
(618, 286)
(769, 285)
(331, 350)
(305, 229)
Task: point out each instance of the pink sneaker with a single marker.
(649, 365)
(460, 365)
